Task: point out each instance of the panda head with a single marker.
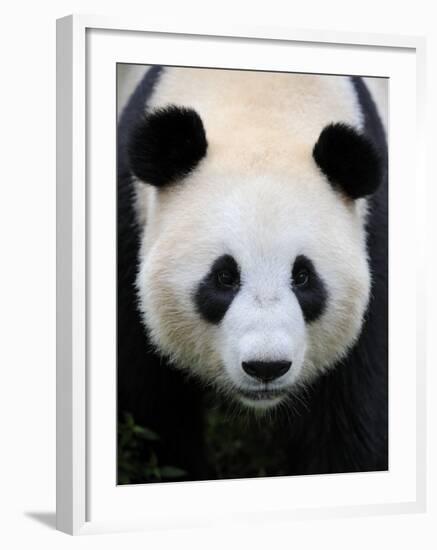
(253, 273)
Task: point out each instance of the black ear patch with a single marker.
(349, 160)
(166, 145)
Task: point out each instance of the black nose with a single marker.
(266, 370)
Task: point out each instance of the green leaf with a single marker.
(123, 479)
(129, 419)
(125, 439)
(145, 433)
(171, 472)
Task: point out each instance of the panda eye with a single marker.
(301, 278)
(227, 279)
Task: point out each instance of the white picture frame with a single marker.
(87, 49)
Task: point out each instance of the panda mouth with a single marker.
(261, 395)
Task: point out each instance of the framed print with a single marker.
(234, 337)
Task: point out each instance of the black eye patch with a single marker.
(216, 291)
(308, 288)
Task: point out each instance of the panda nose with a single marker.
(266, 371)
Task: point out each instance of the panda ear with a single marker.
(349, 160)
(166, 145)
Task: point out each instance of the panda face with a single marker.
(256, 285)
(253, 266)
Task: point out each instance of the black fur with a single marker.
(166, 145)
(349, 160)
(342, 428)
(213, 299)
(312, 296)
(158, 396)
(345, 425)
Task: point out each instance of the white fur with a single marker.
(258, 196)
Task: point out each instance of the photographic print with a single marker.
(252, 274)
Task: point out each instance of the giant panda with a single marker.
(252, 266)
